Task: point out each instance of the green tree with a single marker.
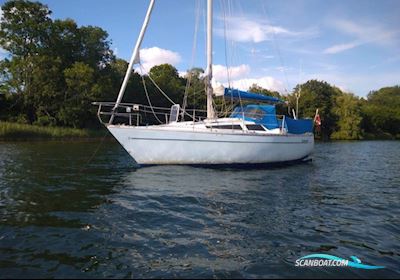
(348, 111)
(45, 93)
(281, 108)
(45, 57)
(23, 32)
(95, 48)
(381, 112)
(258, 89)
(195, 87)
(167, 78)
(80, 91)
(64, 42)
(24, 28)
(316, 95)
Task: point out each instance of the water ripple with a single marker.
(60, 218)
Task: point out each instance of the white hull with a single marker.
(166, 145)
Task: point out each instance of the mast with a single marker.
(209, 89)
(134, 59)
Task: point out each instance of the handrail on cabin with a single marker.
(137, 113)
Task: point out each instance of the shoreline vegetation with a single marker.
(25, 132)
(52, 70)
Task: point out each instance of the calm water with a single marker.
(59, 219)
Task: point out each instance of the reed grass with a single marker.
(9, 130)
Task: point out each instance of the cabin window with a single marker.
(174, 114)
(235, 127)
(254, 113)
(257, 127)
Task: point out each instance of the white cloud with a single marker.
(267, 82)
(239, 78)
(283, 69)
(256, 30)
(222, 73)
(241, 29)
(182, 74)
(1, 14)
(342, 47)
(260, 53)
(155, 56)
(364, 34)
(359, 84)
(343, 88)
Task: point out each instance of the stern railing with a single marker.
(137, 114)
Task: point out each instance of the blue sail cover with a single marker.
(260, 114)
(266, 115)
(238, 94)
(298, 126)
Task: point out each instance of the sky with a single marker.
(352, 44)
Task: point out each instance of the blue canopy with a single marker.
(266, 115)
(299, 126)
(236, 94)
(260, 114)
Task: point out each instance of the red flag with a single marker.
(317, 120)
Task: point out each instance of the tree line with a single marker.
(55, 69)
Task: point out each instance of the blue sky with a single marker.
(353, 44)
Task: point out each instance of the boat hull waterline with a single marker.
(151, 146)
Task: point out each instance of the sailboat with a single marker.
(250, 134)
